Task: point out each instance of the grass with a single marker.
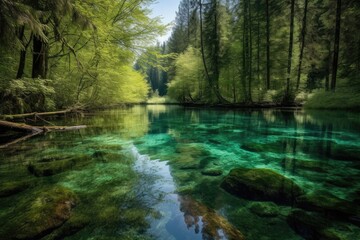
(341, 99)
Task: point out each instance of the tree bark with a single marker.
(250, 51)
(40, 61)
(336, 46)
(25, 115)
(291, 43)
(302, 47)
(267, 45)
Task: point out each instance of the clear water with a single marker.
(142, 177)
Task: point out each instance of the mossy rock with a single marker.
(264, 209)
(212, 172)
(38, 216)
(76, 223)
(14, 187)
(276, 147)
(327, 203)
(344, 153)
(315, 166)
(192, 150)
(49, 167)
(107, 157)
(308, 225)
(262, 185)
(315, 226)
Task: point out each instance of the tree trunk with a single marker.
(267, 46)
(336, 46)
(22, 58)
(258, 40)
(291, 43)
(250, 51)
(40, 61)
(202, 45)
(303, 35)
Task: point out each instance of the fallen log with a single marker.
(36, 114)
(20, 127)
(33, 130)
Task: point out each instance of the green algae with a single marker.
(261, 184)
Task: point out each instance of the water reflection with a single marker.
(182, 217)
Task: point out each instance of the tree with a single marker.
(291, 43)
(336, 46)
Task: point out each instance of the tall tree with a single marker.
(290, 53)
(336, 46)
(268, 74)
(302, 43)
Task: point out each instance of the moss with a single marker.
(264, 209)
(316, 226)
(316, 166)
(11, 188)
(308, 225)
(106, 157)
(261, 184)
(76, 223)
(51, 166)
(36, 217)
(276, 147)
(212, 172)
(325, 202)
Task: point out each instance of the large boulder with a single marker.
(261, 184)
(38, 216)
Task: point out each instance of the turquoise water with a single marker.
(155, 172)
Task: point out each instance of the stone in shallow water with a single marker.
(314, 226)
(264, 209)
(327, 203)
(38, 216)
(276, 147)
(261, 184)
(11, 188)
(49, 167)
(315, 166)
(212, 172)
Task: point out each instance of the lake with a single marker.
(169, 172)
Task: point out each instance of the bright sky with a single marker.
(166, 9)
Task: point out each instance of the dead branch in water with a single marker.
(33, 130)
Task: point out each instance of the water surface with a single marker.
(141, 173)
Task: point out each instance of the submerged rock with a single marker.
(11, 188)
(40, 215)
(314, 226)
(76, 223)
(264, 209)
(261, 184)
(49, 167)
(212, 172)
(316, 166)
(256, 147)
(327, 203)
(344, 153)
(107, 157)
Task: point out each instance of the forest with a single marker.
(60, 54)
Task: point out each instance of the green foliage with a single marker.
(342, 99)
(188, 82)
(24, 95)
